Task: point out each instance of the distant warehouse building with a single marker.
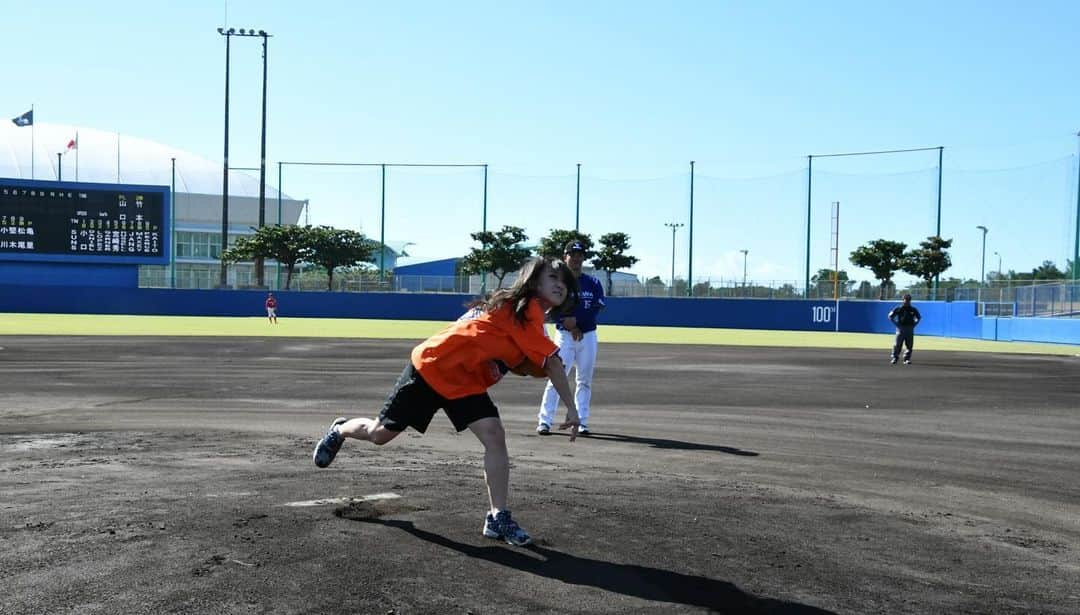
(440, 276)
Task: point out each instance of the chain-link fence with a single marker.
(1003, 299)
(1031, 298)
(1055, 300)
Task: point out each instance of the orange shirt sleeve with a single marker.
(459, 361)
(534, 343)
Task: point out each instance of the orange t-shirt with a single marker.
(460, 360)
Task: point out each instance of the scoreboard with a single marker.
(82, 222)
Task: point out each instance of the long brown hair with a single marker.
(525, 287)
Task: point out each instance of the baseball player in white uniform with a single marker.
(577, 343)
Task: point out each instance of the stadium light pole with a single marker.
(744, 253)
(382, 226)
(483, 227)
(224, 278)
(940, 156)
(1076, 241)
(998, 254)
(690, 242)
(259, 269)
(259, 263)
(982, 266)
(577, 200)
(172, 227)
(674, 226)
(809, 192)
(1001, 275)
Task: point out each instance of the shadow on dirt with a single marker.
(642, 582)
(670, 444)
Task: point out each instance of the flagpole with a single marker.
(32, 142)
(118, 156)
(76, 155)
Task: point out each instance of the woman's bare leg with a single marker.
(367, 429)
(496, 460)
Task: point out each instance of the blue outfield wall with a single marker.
(168, 302)
(88, 274)
(955, 319)
(1054, 330)
(939, 319)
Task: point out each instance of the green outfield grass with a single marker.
(82, 324)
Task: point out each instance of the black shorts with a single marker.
(413, 403)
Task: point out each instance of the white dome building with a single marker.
(50, 152)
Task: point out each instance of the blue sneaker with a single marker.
(501, 526)
(327, 448)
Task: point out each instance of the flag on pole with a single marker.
(73, 144)
(26, 119)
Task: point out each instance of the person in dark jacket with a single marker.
(905, 317)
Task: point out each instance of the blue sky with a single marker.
(631, 90)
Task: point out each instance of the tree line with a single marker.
(884, 258)
(289, 244)
(500, 252)
(504, 251)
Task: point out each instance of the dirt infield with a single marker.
(160, 475)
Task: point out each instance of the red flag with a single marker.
(72, 144)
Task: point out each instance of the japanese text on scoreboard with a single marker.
(60, 221)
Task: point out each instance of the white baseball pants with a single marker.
(574, 354)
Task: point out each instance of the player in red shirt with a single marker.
(271, 308)
(454, 369)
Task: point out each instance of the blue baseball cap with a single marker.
(574, 246)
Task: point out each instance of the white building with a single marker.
(51, 152)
